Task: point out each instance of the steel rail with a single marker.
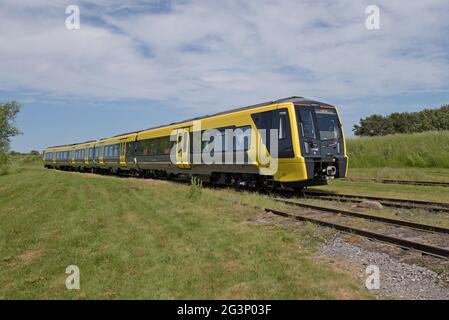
(396, 222)
(389, 202)
(403, 243)
(406, 182)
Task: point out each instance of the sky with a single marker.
(135, 64)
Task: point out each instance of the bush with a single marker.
(404, 122)
(28, 160)
(195, 188)
(4, 164)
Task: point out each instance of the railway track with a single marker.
(396, 232)
(387, 202)
(408, 182)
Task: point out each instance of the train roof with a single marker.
(71, 144)
(293, 99)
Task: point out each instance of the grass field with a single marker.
(419, 150)
(414, 174)
(136, 238)
(438, 194)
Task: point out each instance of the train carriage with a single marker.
(310, 147)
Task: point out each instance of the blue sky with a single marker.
(135, 64)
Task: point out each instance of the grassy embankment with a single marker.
(421, 156)
(136, 238)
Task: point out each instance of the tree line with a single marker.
(404, 122)
(8, 113)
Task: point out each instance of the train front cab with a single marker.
(318, 145)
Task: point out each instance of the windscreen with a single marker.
(328, 124)
(318, 123)
(308, 126)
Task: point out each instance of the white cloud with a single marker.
(224, 52)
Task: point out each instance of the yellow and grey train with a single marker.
(311, 148)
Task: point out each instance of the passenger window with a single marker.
(153, 147)
(219, 142)
(308, 126)
(242, 138)
(165, 146)
(282, 127)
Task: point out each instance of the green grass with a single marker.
(438, 194)
(16, 162)
(414, 174)
(136, 238)
(419, 150)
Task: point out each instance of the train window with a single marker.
(130, 148)
(307, 123)
(242, 138)
(282, 126)
(328, 124)
(205, 144)
(143, 148)
(217, 141)
(111, 151)
(153, 147)
(165, 145)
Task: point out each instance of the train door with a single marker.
(310, 139)
(263, 121)
(183, 147)
(122, 153)
(281, 123)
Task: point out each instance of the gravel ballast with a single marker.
(398, 280)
